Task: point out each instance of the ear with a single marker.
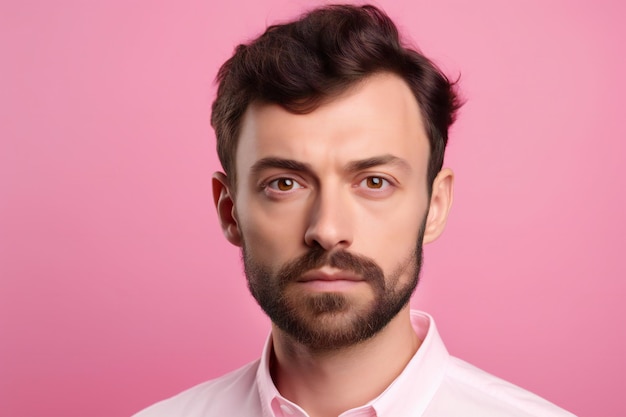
(225, 204)
(440, 203)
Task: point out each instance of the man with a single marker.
(332, 136)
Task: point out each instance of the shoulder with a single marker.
(220, 396)
(480, 393)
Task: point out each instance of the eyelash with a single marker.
(295, 183)
(272, 187)
(385, 183)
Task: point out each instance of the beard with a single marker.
(325, 321)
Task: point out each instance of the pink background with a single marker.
(117, 288)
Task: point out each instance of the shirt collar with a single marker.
(408, 395)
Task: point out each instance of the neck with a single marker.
(345, 378)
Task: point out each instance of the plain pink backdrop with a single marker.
(117, 288)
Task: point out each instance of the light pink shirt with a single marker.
(433, 384)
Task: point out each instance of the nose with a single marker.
(329, 221)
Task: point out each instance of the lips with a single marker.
(318, 275)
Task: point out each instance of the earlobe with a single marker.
(225, 205)
(440, 203)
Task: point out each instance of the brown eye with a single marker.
(283, 184)
(374, 182)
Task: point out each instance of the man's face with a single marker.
(331, 208)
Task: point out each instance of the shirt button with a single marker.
(286, 408)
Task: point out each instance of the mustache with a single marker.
(317, 257)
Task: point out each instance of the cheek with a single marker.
(389, 234)
(272, 237)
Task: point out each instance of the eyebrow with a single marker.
(375, 161)
(353, 166)
(273, 162)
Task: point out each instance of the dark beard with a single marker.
(311, 319)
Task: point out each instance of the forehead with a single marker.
(379, 115)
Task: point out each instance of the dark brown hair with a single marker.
(299, 64)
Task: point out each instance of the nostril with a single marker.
(326, 241)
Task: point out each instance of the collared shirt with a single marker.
(433, 384)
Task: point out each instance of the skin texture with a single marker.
(348, 177)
